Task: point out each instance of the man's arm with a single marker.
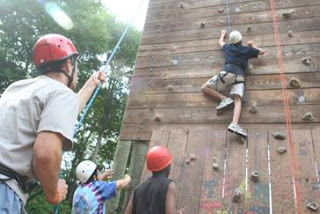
(46, 165)
(261, 51)
(171, 200)
(129, 206)
(222, 36)
(89, 87)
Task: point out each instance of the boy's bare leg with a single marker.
(209, 91)
(237, 109)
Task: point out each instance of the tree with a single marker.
(95, 33)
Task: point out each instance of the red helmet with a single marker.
(52, 48)
(158, 158)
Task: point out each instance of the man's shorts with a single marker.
(224, 80)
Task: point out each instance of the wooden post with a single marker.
(120, 165)
(137, 161)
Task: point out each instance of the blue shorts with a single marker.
(9, 200)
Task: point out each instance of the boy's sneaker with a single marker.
(237, 129)
(224, 103)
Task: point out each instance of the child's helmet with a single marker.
(235, 37)
(84, 170)
(158, 158)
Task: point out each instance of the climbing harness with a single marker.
(296, 188)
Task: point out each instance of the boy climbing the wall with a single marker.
(232, 75)
(91, 195)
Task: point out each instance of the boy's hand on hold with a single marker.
(223, 32)
(98, 77)
(61, 193)
(107, 174)
(250, 43)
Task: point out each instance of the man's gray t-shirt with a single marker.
(28, 107)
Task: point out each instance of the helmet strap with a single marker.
(70, 78)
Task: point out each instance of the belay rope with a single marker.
(105, 69)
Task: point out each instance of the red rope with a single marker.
(287, 112)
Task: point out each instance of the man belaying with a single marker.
(37, 118)
(232, 75)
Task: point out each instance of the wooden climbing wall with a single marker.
(179, 52)
(205, 190)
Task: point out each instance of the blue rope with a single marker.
(93, 97)
(228, 17)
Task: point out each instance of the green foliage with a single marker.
(95, 34)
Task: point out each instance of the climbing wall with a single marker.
(179, 52)
(217, 174)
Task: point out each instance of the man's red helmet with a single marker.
(158, 158)
(52, 48)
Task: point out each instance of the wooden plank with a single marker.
(258, 161)
(267, 114)
(261, 16)
(174, 7)
(207, 33)
(193, 100)
(137, 159)
(141, 84)
(120, 159)
(235, 178)
(191, 181)
(211, 44)
(288, 52)
(177, 146)
(208, 69)
(144, 131)
(159, 137)
(220, 10)
(282, 190)
(213, 185)
(305, 171)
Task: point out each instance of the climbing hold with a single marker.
(187, 161)
(249, 29)
(313, 206)
(294, 82)
(288, 14)
(157, 119)
(192, 157)
(170, 88)
(308, 116)
(255, 176)
(215, 166)
(279, 136)
(306, 60)
(290, 33)
(221, 10)
(202, 25)
(237, 195)
(158, 24)
(253, 109)
(281, 150)
(181, 6)
(241, 140)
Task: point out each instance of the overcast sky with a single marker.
(126, 9)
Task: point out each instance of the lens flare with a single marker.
(58, 15)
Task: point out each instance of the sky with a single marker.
(124, 10)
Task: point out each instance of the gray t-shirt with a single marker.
(28, 107)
